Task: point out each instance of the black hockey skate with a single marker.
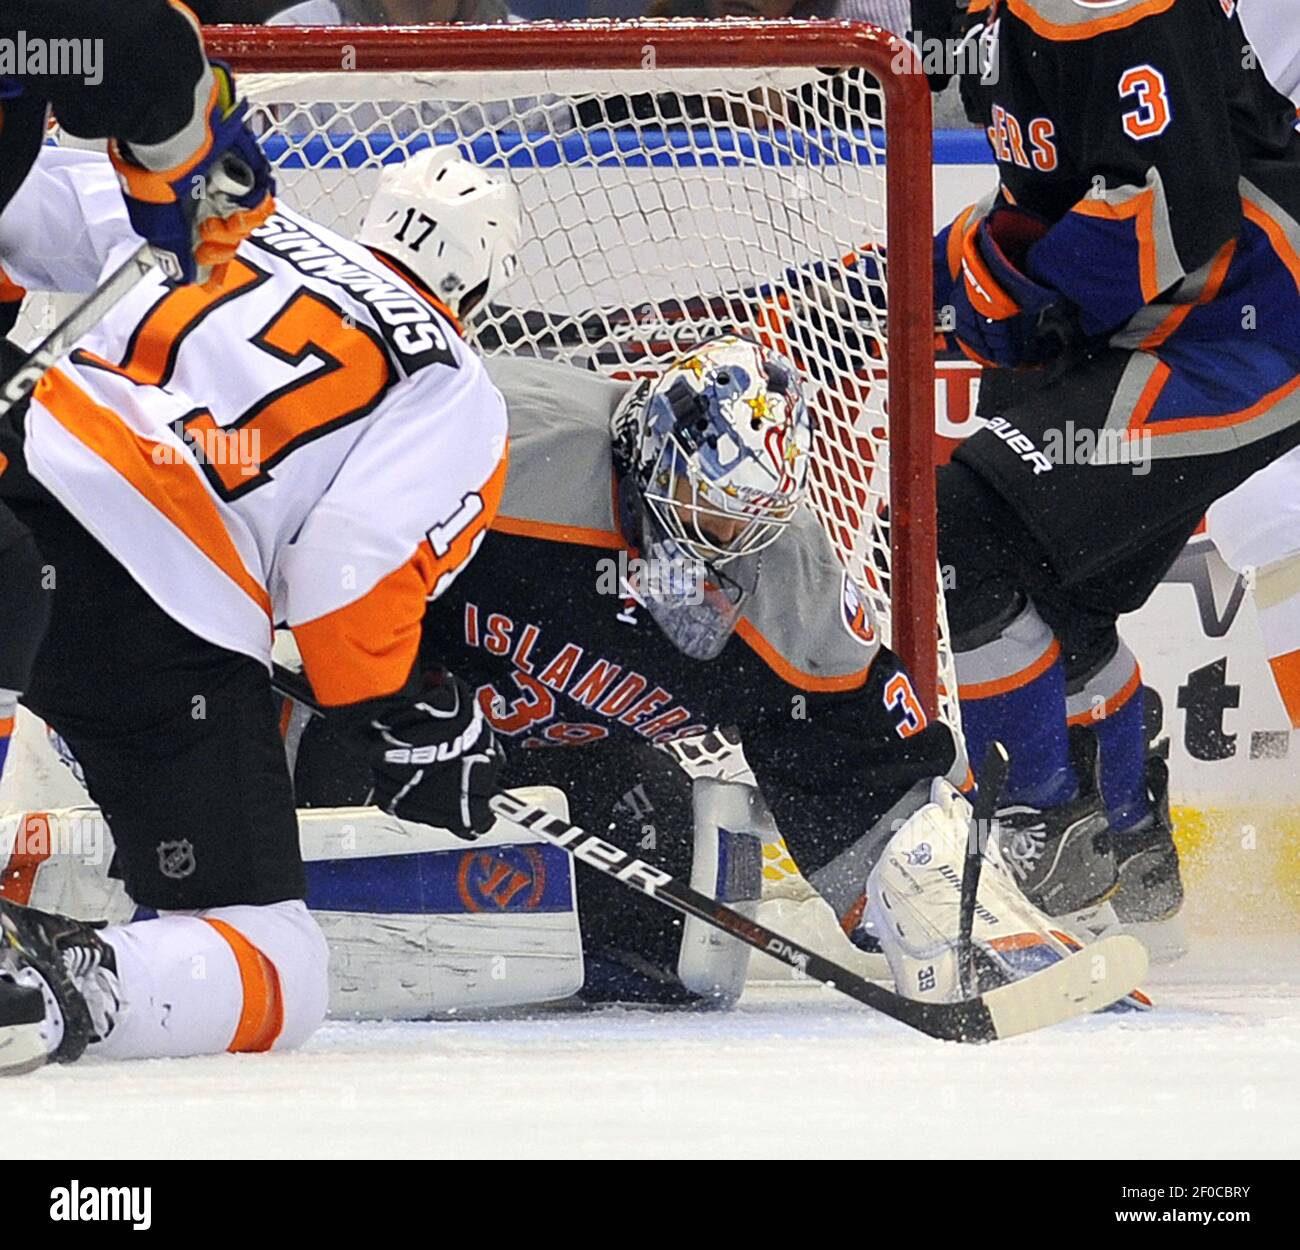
(58, 988)
(1063, 857)
(1150, 883)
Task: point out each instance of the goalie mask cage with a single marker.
(680, 180)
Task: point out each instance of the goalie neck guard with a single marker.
(714, 456)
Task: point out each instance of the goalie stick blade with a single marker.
(1087, 981)
(1079, 984)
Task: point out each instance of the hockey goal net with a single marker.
(679, 180)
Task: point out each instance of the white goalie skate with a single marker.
(914, 905)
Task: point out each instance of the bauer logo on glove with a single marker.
(436, 760)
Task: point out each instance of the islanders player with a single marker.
(306, 440)
(1138, 305)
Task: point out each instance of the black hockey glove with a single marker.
(435, 759)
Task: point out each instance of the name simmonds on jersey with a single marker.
(308, 442)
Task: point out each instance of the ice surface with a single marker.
(794, 1071)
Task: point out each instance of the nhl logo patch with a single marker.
(176, 859)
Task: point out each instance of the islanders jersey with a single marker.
(550, 627)
(1167, 168)
(308, 442)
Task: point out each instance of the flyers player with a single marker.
(305, 441)
(175, 120)
(1139, 306)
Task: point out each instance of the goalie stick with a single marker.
(1078, 984)
(992, 780)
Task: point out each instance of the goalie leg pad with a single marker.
(59, 861)
(731, 822)
(418, 921)
(421, 923)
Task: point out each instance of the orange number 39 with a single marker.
(1153, 114)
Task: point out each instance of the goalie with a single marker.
(652, 576)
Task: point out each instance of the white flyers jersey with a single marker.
(1273, 28)
(310, 443)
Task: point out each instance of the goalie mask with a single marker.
(454, 226)
(714, 455)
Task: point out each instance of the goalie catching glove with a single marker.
(435, 759)
(914, 906)
(196, 197)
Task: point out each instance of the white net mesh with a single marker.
(662, 208)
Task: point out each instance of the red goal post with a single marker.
(786, 135)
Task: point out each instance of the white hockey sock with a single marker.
(232, 978)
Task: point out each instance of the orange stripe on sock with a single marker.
(1003, 685)
(6, 726)
(1112, 705)
(262, 1018)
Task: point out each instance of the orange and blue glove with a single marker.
(1002, 316)
(196, 213)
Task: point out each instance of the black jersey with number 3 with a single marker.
(1165, 171)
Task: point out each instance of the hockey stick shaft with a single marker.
(79, 322)
(992, 779)
(966, 1021)
(229, 179)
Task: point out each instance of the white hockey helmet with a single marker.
(453, 225)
